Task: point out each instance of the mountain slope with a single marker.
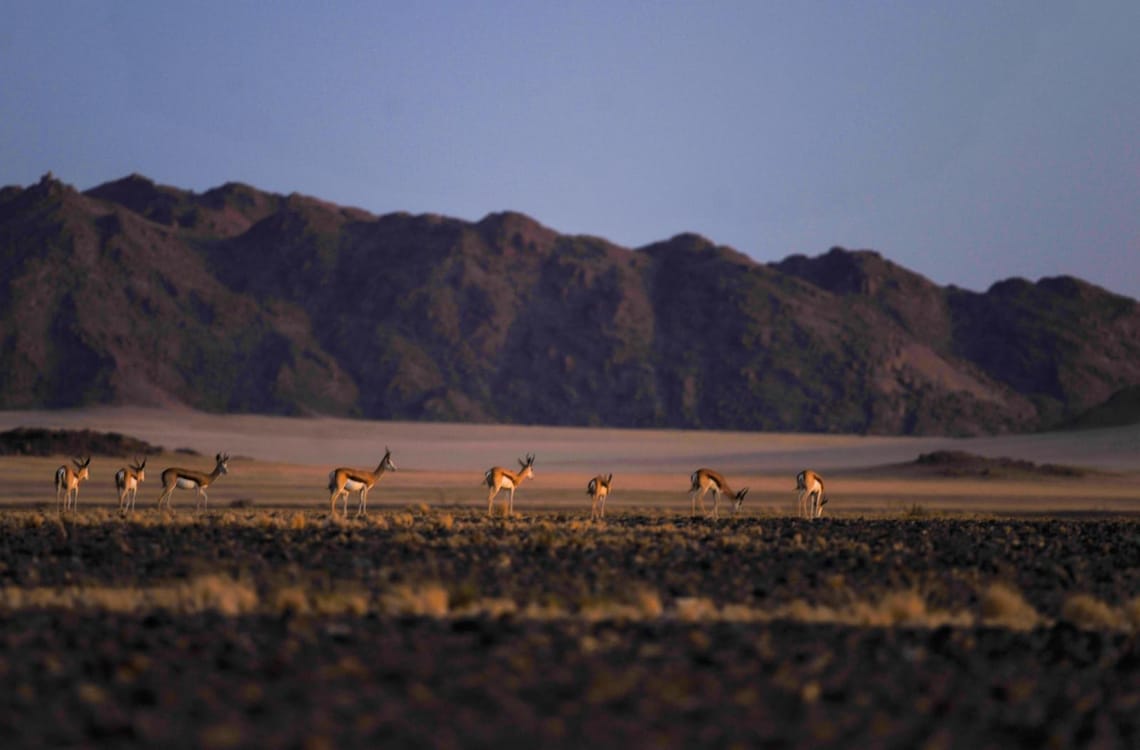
(239, 300)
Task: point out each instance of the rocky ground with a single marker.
(439, 628)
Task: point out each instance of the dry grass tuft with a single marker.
(341, 603)
(403, 520)
(695, 608)
(290, 600)
(647, 602)
(1086, 611)
(297, 522)
(216, 593)
(1132, 613)
(1002, 605)
(904, 607)
(430, 600)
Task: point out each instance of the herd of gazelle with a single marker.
(344, 480)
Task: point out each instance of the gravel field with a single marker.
(437, 627)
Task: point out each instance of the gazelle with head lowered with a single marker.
(811, 497)
(127, 481)
(599, 489)
(497, 478)
(344, 480)
(67, 482)
(707, 480)
(188, 479)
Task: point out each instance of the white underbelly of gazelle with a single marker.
(186, 484)
(352, 485)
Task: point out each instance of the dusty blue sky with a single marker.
(968, 141)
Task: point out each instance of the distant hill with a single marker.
(245, 301)
(964, 464)
(37, 441)
(1121, 408)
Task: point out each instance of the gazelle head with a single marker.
(738, 500)
(81, 470)
(609, 482)
(139, 468)
(222, 459)
(819, 508)
(386, 462)
(527, 466)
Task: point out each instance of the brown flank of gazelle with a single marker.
(599, 489)
(811, 497)
(707, 480)
(188, 479)
(497, 478)
(127, 481)
(67, 482)
(344, 480)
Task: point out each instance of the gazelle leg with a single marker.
(511, 503)
(491, 500)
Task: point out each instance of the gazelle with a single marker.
(599, 489)
(812, 497)
(706, 480)
(186, 479)
(343, 481)
(127, 481)
(498, 478)
(67, 482)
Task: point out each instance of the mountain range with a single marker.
(240, 300)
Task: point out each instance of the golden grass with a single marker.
(1000, 606)
(1088, 612)
(1004, 606)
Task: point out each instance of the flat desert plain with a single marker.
(284, 462)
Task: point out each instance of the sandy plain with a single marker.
(284, 462)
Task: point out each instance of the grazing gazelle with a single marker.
(498, 478)
(599, 489)
(706, 480)
(812, 497)
(186, 479)
(127, 481)
(67, 483)
(343, 481)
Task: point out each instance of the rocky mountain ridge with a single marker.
(240, 300)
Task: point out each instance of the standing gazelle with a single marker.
(812, 496)
(498, 478)
(706, 480)
(127, 481)
(343, 481)
(67, 483)
(187, 479)
(599, 489)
